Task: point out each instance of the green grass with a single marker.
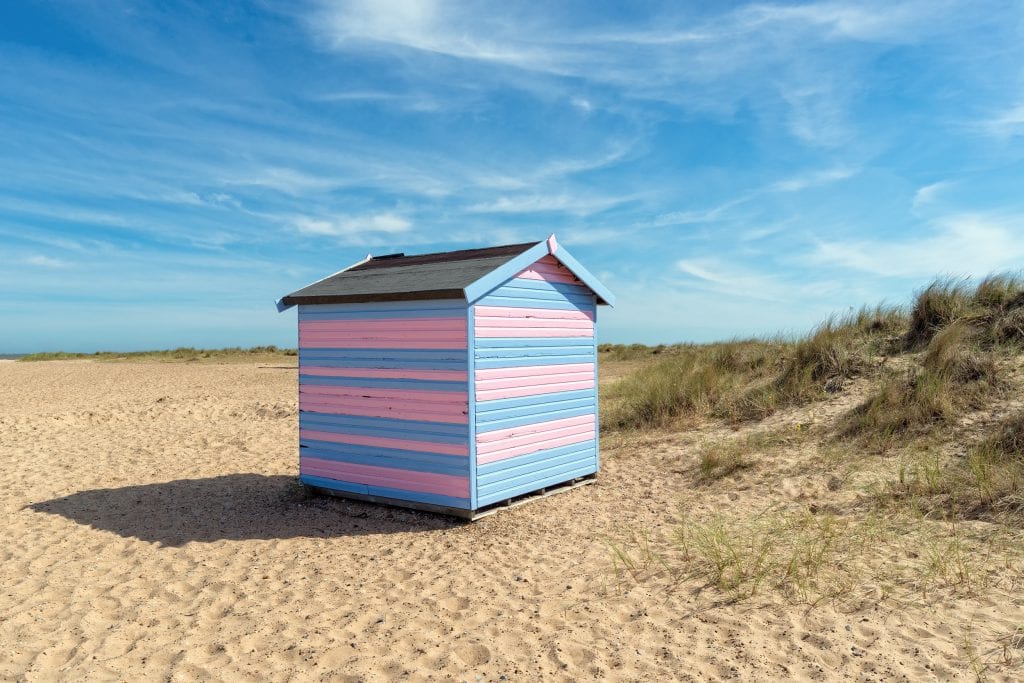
(179, 354)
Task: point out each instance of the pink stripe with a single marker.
(536, 380)
(371, 475)
(531, 371)
(533, 442)
(536, 428)
(456, 335)
(386, 442)
(384, 373)
(534, 332)
(376, 393)
(399, 324)
(535, 447)
(543, 313)
(540, 323)
(536, 274)
(549, 269)
(368, 408)
(380, 344)
(493, 394)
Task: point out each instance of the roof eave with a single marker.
(508, 270)
(287, 301)
(369, 298)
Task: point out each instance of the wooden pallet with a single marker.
(470, 515)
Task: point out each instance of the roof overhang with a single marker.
(472, 292)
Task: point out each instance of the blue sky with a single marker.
(169, 170)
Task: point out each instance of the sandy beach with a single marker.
(154, 530)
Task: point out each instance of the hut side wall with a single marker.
(383, 400)
(534, 383)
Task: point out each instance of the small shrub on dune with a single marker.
(837, 350)
(720, 460)
(691, 381)
(956, 375)
(936, 306)
(996, 467)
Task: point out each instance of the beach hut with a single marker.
(454, 382)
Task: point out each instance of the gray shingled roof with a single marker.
(397, 277)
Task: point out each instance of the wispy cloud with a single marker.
(532, 203)
(44, 261)
(1006, 124)
(734, 280)
(970, 245)
(929, 193)
(812, 179)
(359, 227)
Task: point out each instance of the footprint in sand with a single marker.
(454, 604)
(472, 654)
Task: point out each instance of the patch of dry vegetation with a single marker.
(934, 374)
(183, 353)
(750, 379)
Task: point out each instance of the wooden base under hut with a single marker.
(470, 515)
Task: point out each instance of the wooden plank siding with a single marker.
(384, 400)
(534, 383)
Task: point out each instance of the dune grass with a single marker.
(950, 342)
(750, 379)
(179, 354)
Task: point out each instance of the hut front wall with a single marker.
(383, 400)
(534, 383)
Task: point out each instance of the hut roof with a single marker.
(461, 274)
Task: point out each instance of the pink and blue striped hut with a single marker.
(455, 382)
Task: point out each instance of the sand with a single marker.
(153, 529)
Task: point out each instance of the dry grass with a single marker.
(749, 379)
(184, 353)
(964, 333)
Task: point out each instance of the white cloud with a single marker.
(969, 245)
(44, 261)
(354, 226)
(928, 193)
(1006, 124)
(771, 55)
(532, 203)
(812, 179)
(727, 278)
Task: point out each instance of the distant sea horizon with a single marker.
(11, 356)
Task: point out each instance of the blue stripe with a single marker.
(471, 374)
(517, 417)
(529, 284)
(382, 363)
(448, 359)
(490, 472)
(398, 494)
(526, 361)
(582, 273)
(426, 305)
(578, 344)
(520, 401)
(392, 314)
(390, 354)
(416, 461)
(384, 383)
(548, 477)
(419, 430)
(516, 302)
(537, 298)
(529, 473)
(559, 466)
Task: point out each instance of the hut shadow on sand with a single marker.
(233, 507)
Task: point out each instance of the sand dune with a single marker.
(153, 529)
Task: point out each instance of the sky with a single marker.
(168, 170)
